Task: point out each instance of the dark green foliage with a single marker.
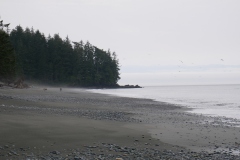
(7, 58)
(54, 60)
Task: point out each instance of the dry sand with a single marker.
(74, 123)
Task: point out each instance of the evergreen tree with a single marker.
(7, 58)
(79, 56)
(19, 48)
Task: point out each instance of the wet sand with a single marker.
(75, 124)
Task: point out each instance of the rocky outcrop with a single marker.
(130, 86)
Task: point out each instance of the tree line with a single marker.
(55, 60)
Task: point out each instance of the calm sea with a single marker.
(214, 100)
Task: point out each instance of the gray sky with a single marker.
(157, 41)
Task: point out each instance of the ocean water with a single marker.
(212, 100)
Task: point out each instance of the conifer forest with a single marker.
(53, 60)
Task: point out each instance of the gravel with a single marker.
(106, 151)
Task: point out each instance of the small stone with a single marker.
(77, 158)
(55, 152)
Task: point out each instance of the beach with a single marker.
(77, 124)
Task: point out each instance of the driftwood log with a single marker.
(20, 83)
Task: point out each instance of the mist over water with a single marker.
(214, 100)
(181, 78)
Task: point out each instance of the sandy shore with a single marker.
(76, 124)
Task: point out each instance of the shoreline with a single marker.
(213, 109)
(116, 122)
(205, 121)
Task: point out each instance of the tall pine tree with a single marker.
(7, 58)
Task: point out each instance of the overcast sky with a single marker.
(158, 42)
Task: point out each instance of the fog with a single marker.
(192, 78)
(157, 41)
